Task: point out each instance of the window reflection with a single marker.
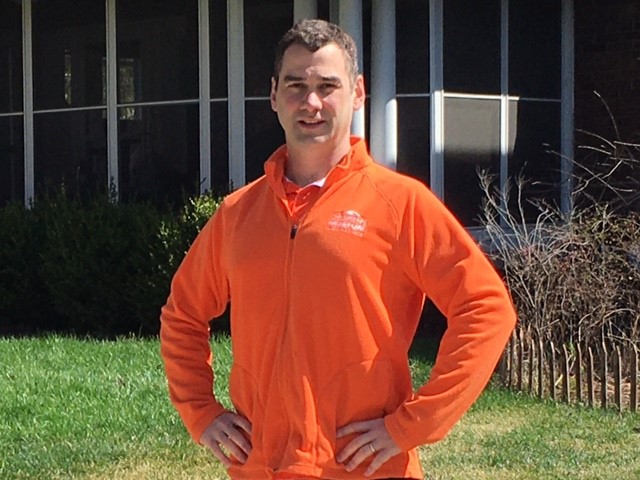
(128, 85)
(472, 46)
(412, 46)
(157, 48)
(366, 40)
(534, 48)
(263, 136)
(324, 9)
(68, 75)
(472, 141)
(220, 148)
(218, 47)
(159, 153)
(535, 153)
(414, 137)
(11, 159)
(68, 50)
(10, 57)
(70, 149)
(264, 24)
(367, 119)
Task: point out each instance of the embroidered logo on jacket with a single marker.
(348, 221)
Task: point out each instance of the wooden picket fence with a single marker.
(595, 375)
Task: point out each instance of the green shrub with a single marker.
(177, 232)
(95, 264)
(176, 235)
(94, 267)
(24, 304)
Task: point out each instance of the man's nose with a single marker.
(313, 101)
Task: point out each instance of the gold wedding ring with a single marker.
(373, 449)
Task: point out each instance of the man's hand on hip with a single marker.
(228, 433)
(372, 442)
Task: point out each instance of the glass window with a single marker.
(414, 134)
(263, 135)
(11, 159)
(412, 46)
(536, 144)
(472, 142)
(366, 41)
(367, 118)
(68, 52)
(324, 9)
(157, 50)
(534, 48)
(70, 148)
(158, 154)
(10, 56)
(264, 24)
(218, 47)
(220, 148)
(471, 46)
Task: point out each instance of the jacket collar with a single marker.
(357, 158)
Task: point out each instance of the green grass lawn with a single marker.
(82, 409)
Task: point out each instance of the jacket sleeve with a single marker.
(199, 293)
(446, 263)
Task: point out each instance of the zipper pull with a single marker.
(294, 230)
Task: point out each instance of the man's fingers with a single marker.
(237, 448)
(360, 455)
(228, 436)
(212, 444)
(355, 427)
(378, 460)
(223, 445)
(219, 454)
(243, 423)
(235, 438)
(232, 438)
(372, 443)
(353, 449)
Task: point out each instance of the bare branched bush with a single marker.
(609, 173)
(574, 278)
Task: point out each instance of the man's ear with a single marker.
(358, 93)
(272, 95)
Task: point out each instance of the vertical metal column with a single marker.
(27, 83)
(334, 11)
(112, 99)
(384, 110)
(436, 17)
(350, 16)
(567, 108)
(304, 9)
(204, 101)
(235, 75)
(504, 100)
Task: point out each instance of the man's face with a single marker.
(315, 98)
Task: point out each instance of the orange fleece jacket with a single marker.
(323, 313)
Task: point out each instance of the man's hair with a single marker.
(313, 35)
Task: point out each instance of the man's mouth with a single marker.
(310, 121)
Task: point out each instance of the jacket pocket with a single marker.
(243, 391)
(365, 391)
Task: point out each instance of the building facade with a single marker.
(156, 98)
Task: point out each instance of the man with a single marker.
(326, 261)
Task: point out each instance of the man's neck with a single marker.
(310, 165)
